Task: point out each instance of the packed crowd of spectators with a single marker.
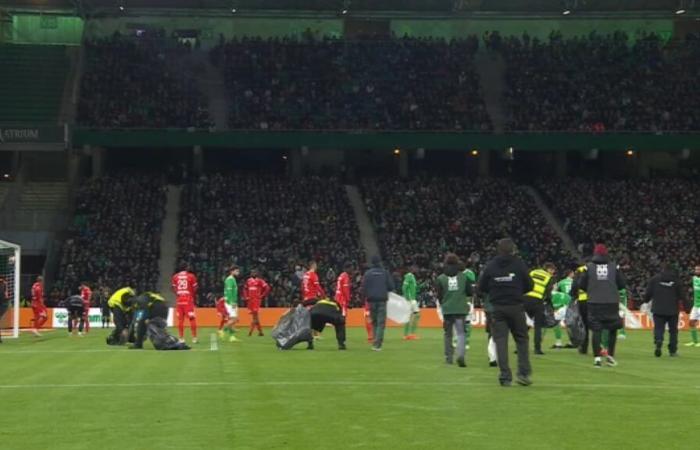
(315, 84)
(644, 223)
(114, 240)
(269, 223)
(141, 81)
(600, 82)
(419, 220)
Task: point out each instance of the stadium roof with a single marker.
(365, 5)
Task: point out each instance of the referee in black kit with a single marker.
(506, 280)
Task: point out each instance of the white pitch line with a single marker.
(339, 383)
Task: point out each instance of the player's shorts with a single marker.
(560, 314)
(415, 307)
(254, 306)
(39, 311)
(232, 311)
(694, 313)
(185, 310)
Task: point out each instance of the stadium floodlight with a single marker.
(10, 257)
(121, 8)
(566, 12)
(233, 10)
(680, 11)
(343, 12)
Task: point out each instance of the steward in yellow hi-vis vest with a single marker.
(328, 311)
(543, 280)
(120, 305)
(582, 295)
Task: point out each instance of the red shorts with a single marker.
(254, 306)
(185, 310)
(39, 310)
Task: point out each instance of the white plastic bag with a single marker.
(398, 309)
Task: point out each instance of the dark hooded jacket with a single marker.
(602, 281)
(505, 279)
(377, 283)
(667, 293)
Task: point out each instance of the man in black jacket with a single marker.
(505, 280)
(666, 292)
(602, 282)
(376, 285)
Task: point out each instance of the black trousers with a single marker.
(323, 314)
(660, 323)
(604, 317)
(510, 319)
(583, 310)
(535, 309)
(76, 313)
(121, 323)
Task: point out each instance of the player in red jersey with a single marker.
(342, 289)
(311, 289)
(254, 291)
(38, 306)
(222, 312)
(86, 295)
(184, 284)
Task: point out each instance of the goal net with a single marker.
(9, 299)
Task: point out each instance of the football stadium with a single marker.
(349, 224)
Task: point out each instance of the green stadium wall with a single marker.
(44, 29)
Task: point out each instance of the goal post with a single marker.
(10, 259)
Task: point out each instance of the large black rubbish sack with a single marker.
(293, 327)
(549, 320)
(160, 338)
(574, 324)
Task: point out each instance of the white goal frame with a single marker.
(15, 306)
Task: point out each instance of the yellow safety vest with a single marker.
(582, 295)
(541, 279)
(326, 301)
(117, 299)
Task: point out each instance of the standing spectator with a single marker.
(453, 288)
(505, 280)
(376, 285)
(602, 282)
(666, 292)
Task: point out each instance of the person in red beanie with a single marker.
(602, 282)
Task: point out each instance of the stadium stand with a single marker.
(140, 82)
(419, 220)
(601, 82)
(266, 222)
(115, 236)
(644, 222)
(31, 82)
(407, 83)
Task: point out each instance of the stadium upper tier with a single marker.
(586, 84)
(32, 78)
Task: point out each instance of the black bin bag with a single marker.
(574, 324)
(293, 327)
(160, 338)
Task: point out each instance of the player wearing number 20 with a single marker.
(184, 284)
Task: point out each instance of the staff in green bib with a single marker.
(695, 312)
(453, 289)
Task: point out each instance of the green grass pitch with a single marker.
(58, 392)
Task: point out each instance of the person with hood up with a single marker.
(453, 289)
(376, 285)
(506, 279)
(667, 294)
(602, 282)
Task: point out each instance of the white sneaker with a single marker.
(597, 363)
(181, 341)
(610, 361)
(194, 340)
